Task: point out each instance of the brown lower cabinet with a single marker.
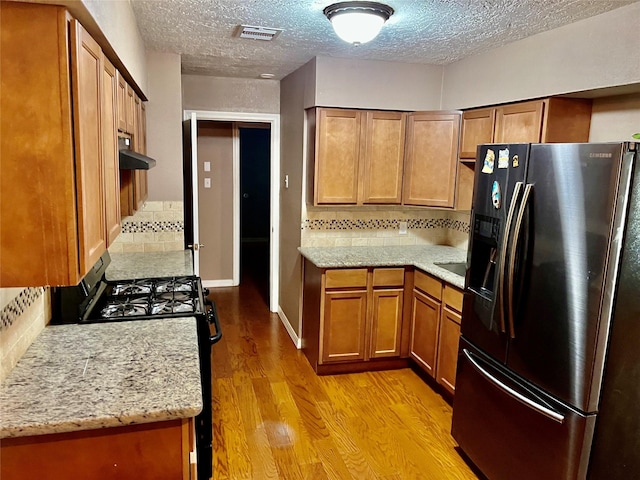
(353, 318)
(435, 328)
(159, 450)
(358, 319)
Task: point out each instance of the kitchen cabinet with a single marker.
(387, 300)
(122, 103)
(130, 108)
(431, 159)
(436, 316)
(358, 157)
(425, 321)
(52, 191)
(160, 450)
(354, 318)
(549, 120)
(449, 338)
(133, 183)
(109, 109)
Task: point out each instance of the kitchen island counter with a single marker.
(92, 376)
(133, 265)
(423, 257)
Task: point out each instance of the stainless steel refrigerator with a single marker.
(548, 379)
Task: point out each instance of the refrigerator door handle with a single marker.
(547, 412)
(512, 257)
(503, 254)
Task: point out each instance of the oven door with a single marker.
(204, 421)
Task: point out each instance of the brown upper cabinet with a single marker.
(52, 191)
(549, 120)
(477, 128)
(431, 158)
(110, 150)
(367, 157)
(130, 107)
(359, 157)
(122, 103)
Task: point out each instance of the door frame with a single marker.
(274, 237)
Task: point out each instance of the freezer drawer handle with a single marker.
(556, 417)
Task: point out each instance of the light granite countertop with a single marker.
(423, 257)
(91, 376)
(129, 266)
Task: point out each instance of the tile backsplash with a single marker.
(379, 226)
(157, 227)
(24, 314)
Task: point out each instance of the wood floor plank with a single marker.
(232, 431)
(274, 419)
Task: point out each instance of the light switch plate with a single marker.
(403, 228)
(207, 182)
(207, 166)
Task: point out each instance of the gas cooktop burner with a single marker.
(133, 287)
(125, 307)
(159, 306)
(174, 285)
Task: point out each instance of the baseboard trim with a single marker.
(297, 341)
(217, 283)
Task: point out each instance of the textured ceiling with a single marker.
(420, 31)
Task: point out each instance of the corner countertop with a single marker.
(423, 257)
(129, 266)
(91, 376)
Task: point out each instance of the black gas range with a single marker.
(96, 299)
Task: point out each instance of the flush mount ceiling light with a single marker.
(357, 22)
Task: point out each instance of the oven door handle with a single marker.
(212, 317)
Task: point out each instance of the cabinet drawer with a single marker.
(349, 277)
(388, 277)
(428, 284)
(452, 297)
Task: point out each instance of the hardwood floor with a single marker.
(275, 419)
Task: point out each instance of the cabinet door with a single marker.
(122, 103)
(477, 128)
(386, 322)
(140, 176)
(432, 157)
(87, 74)
(130, 106)
(337, 156)
(382, 156)
(425, 320)
(519, 123)
(344, 326)
(110, 151)
(448, 349)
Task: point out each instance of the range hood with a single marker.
(130, 160)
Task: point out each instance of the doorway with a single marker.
(261, 222)
(255, 165)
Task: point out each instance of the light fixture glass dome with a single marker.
(358, 22)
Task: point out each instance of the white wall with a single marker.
(164, 126)
(118, 23)
(354, 83)
(297, 89)
(615, 118)
(230, 94)
(599, 52)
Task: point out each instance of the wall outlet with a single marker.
(403, 228)
(207, 182)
